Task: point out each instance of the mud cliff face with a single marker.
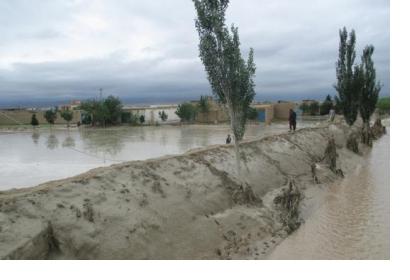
(191, 206)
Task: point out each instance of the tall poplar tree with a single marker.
(369, 93)
(348, 76)
(230, 76)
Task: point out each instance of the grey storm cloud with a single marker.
(61, 50)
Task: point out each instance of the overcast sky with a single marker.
(148, 50)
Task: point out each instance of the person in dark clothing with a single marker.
(228, 139)
(292, 120)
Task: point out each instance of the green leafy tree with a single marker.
(102, 112)
(252, 114)
(326, 105)
(142, 119)
(230, 76)
(67, 115)
(348, 76)
(186, 111)
(314, 108)
(34, 121)
(126, 117)
(50, 116)
(203, 105)
(112, 108)
(93, 109)
(369, 93)
(384, 105)
(163, 116)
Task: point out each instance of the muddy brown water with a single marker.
(353, 220)
(32, 157)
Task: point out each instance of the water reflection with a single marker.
(35, 136)
(104, 141)
(69, 142)
(52, 142)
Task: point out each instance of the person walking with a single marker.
(228, 139)
(292, 120)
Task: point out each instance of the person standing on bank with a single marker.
(292, 120)
(228, 139)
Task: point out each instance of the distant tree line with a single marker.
(323, 108)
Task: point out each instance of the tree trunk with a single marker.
(351, 143)
(367, 137)
(236, 141)
(378, 129)
(331, 154)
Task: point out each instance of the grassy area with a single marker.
(384, 105)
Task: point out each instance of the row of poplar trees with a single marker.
(356, 83)
(232, 77)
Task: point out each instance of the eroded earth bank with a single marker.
(191, 206)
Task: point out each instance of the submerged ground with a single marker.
(33, 156)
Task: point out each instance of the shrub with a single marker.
(34, 121)
(384, 105)
(50, 116)
(186, 111)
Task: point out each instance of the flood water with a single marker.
(353, 221)
(36, 156)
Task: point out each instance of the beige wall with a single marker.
(213, 116)
(24, 117)
(281, 110)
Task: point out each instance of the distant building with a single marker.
(73, 105)
(151, 113)
(308, 101)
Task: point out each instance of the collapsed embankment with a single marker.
(191, 206)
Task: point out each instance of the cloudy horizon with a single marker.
(147, 51)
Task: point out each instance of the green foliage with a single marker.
(67, 115)
(314, 108)
(348, 76)
(93, 109)
(326, 105)
(50, 116)
(186, 111)
(163, 116)
(338, 105)
(252, 114)
(134, 120)
(305, 108)
(142, 119)
(126, 117)
(34, 121)
(384, 105)
(112, 107)
(102, 112)
(231, 78)
(370, 89)
(203, 105)
(86, 118)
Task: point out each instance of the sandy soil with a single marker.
(191, 206)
